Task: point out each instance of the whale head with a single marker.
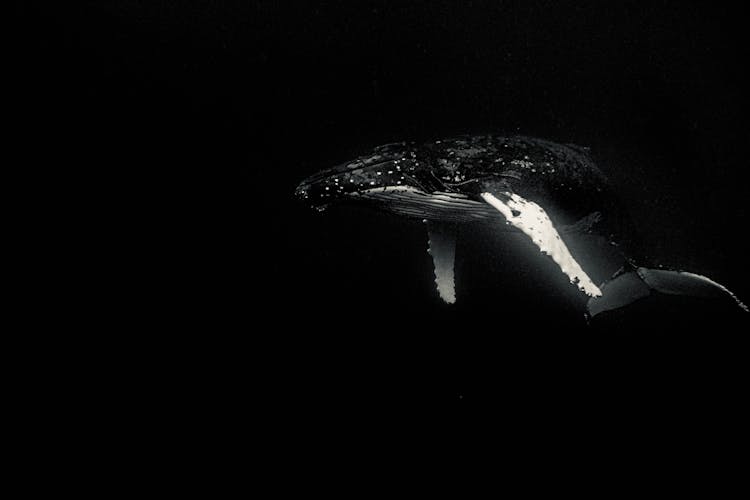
(417, 181)
(390, 167)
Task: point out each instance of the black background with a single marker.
(190, 123)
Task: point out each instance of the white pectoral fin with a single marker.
(442, 248)
(533, 221)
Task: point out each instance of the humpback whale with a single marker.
(552, 194)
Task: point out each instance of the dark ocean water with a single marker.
(213, 112)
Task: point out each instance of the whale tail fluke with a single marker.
(627, 286)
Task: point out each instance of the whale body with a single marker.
(553, 194)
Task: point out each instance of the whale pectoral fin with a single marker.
(533, 221)
(628, 287)
(442, 248)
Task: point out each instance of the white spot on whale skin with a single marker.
(522, 163)
(522, 214)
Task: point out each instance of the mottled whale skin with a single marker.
(564, 176)
(553, 193)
